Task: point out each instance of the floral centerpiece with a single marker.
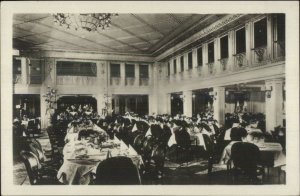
(50, 99)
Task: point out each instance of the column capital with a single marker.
(273, 81)
(219, 89)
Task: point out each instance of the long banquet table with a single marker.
(77, 169)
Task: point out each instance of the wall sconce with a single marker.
(193, 96)
(268, 91)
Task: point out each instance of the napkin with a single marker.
(148, 132)
(172, 140)
(134, 128)
(235, 125)
(131, 151)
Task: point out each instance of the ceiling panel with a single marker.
(154, 18)
(129, 33)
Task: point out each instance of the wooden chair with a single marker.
(36, 175)
(246, 159)
(117, 171)
(209, 144)
(36, 148)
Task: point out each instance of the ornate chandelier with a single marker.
(89, 22)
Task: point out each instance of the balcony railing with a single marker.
(211, 68)
(224, 64)
(76, 80)
(200, 70)
(115, 81)
(144, 81)
(129, 81)
(279, 51)
(260, 55)
(240, 61)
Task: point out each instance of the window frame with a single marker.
(131, 74)
(190, 59)
(208, 59)
(266, 41)
(141, 65)
(175, 66)
(79, 65)
(110, 69)
(182, 63)
(221, 38)
(235, 39)
(200, 65)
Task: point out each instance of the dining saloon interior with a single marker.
(149, 99)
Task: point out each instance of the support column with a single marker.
(219, 104)
(249, 40)
(167, 107)
(230, 62)
(205, 59)
(185, 62)
(100, 103)
(49, 80)
(153, 96)
(217, 55)
(117, 105)
(195, 62)
(274, 104)
(122, 74)
(126, 105)
(24, 71)
(188, 103)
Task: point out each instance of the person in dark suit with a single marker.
(237, 134)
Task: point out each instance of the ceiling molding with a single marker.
(221, 23)
(176, 36)
(86, 55)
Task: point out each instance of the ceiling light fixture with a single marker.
(88, 22)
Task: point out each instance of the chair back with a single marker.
(37, 151)
(159, 153)
(245, 156)
(117, 171)
(182, 138)
(148, 144)
(156, 130)
(138, 142)
(32, 165)
(31, 124)
(209, 144)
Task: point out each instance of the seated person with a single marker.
(255, 137)
(237, 134)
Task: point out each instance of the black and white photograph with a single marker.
(137, 97)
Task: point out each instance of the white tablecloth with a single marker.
(78, 171)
